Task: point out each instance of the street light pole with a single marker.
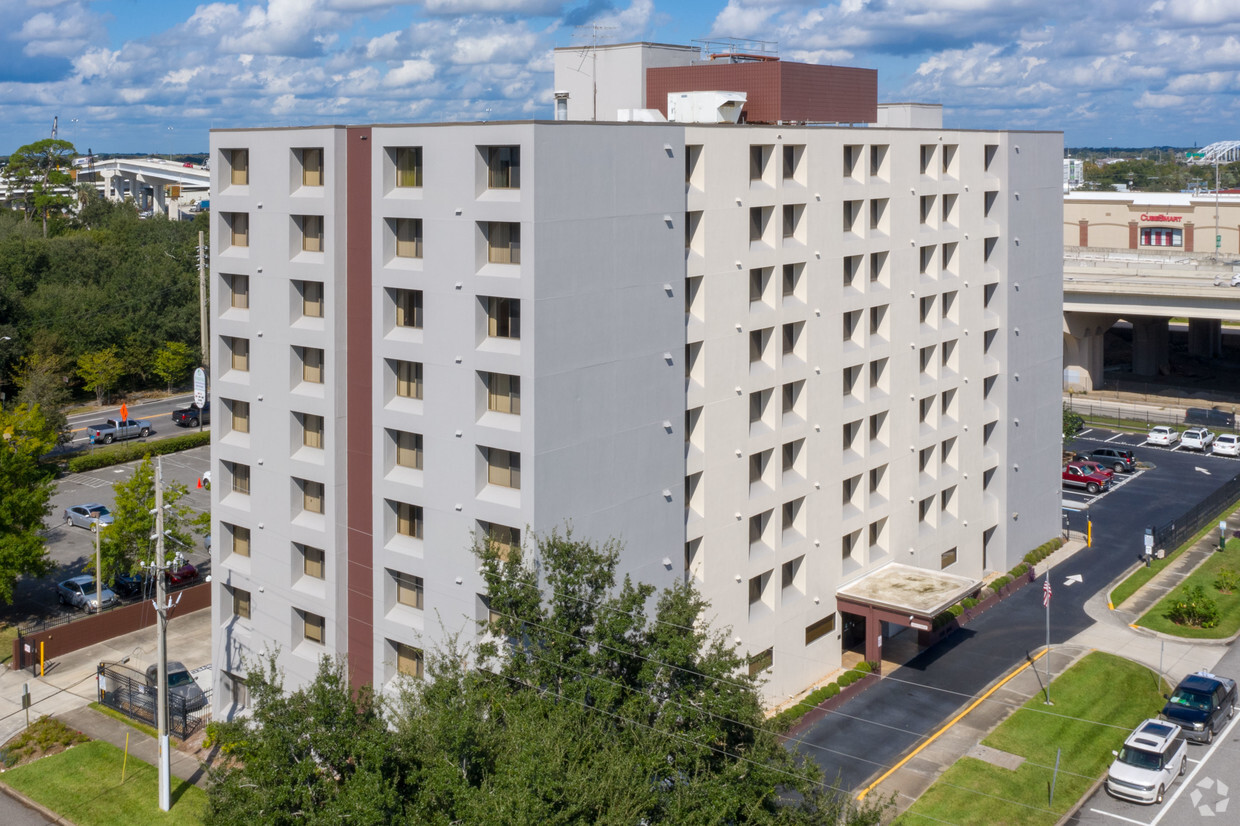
(161, 610)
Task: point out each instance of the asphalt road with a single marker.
(13, 813)
(871, 732)
(158, 412)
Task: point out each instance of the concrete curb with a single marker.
(33, 805)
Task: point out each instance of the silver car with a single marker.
(180, 684)
(1151, 759)
(88, 516)
(79, 591)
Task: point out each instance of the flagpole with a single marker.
(1046, 602)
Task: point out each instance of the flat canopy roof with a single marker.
(905, 589)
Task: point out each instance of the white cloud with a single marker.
(410, 72)
(521, 8)
(1151, 100)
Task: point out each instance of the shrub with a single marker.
(968, 602)
(1226, 580)
(1000, 582)
(1194, 608)
(1020, 570)
(847, 678)
(134, 451)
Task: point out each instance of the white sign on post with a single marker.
(200, 387)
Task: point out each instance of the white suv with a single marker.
(1162, 436)
(1227, 445)
(1152, 758)
(1196, 439)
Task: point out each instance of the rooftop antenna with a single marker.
(593, 54)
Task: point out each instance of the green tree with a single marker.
(1072, 423)
(127, 541)
(43, 169)
(41, 380)
(100, 371)
(25, 491)
(174, 362)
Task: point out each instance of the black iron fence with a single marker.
(126, 690)
(1118, 413)
(1174, 533)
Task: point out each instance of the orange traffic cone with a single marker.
(200, 483)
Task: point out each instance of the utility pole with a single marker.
(161, 610)
(202, 301)
(98, 567)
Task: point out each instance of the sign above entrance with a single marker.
(1167, 219)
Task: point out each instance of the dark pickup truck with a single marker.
(1201, 705)
(191, 416)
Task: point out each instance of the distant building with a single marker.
(1073, 173)
(1166, 221)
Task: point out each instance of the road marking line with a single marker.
(1116, 436)
(1086, 432)
(953, 722)
(1187, 780)
(1121, 817)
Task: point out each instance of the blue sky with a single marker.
(144, 76)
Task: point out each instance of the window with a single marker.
(311, 298)
(927, 260)
(988, 294)
(947, 500)
(792, 219)
(1161, 237)
(925, 408)
(239, 164)
(240, 603)
(988, 202)
(852, 265)
(927, 358)
(758, 463)
(925, 458)
(408, 237)
(758, 524)
(503, 317)
(238, 228)
(239, 352)
(503, 242)
(878, 476)
(312, 561)
(240, 540)
(878, 212)
(852, 320)
(312, 627)
(758, 339)
(792, 521)
(949, 257)
(757, 585)
(925, 507)
(849, 489)
(504, 167)
(312, 496)
(758, 156)
(927, 207)
(759, 217)
(949, 157)
(878, 317)
(409, 520)
(947, 558)
(852, 211)
(501, 539)
(409, 379)
(851, 430)
(408, 660)
(817, 630)
(408, 166)
(759, 277)
(878, 159)
(792, 161)
(311, 364)
(240, 478)
(503, 468)
(408, 589)
(990, 153)
(791, 336)
(878, 265)
(852, 154)
(792, 279)
(503, 393)
(761, 662)
(408, 308)
(408, 449)
(791, 455)
(850, 379)
(878, 427)
(238, 291)
(311, 167)
(927, 158)
(878, 374)
(758, 402)
(791, 396)
(311, 233)
(311, 430)
(927, 309)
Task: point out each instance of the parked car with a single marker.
(1116, 458)
(114, 429)
(128, 585)
(1150, 760)
(79, 591)
(1198, 438)
(182, 574)
(1076, 475)
(180, 684)
(1162, 436)
(1201, 705)
(1227, 445)
(88, 516)
(1097, 468)
(192, 416)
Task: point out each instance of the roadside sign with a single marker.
(124, 412)
(200, 387)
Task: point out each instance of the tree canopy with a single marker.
(25, 491)
(581, 707)
(43, 172)
(127, 541)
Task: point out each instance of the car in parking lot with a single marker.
(79, 591)
(1197, 438)
(180, 684)
(88, 516)
(1162, 435)
(1150, 760)
(1116, 458)
(1076, 475)
(1096, 468)
(1201, 705)
(1227, 444)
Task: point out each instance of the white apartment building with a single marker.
(790, 363)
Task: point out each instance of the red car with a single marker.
(181, 576)
(1076, 475)
(1096, 468)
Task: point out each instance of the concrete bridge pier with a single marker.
(1205, 337)
(1082, 349)
(1151, 346)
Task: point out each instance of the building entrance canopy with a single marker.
(904, 594)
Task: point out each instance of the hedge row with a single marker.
(119, 454)
(1032, 558)
(784, 719)
(1043, 551)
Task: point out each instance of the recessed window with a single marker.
(819, 629)
(852, 211)
(408, 449)
(311, 232)
(761, 662)
(408, 166)
(792, 219)
(503, 167)
(408, 589)
(501, 539)
(238, 353)
(240, 603)
(312, 496)
(792, 279)
(852, 266)
(311, 430)
(409, 520)
(312, 561)
(409, 379)
(239, 164)
(759, 278)
(240, 540)
(792, 160)
(408, 308)
(503, 468)
(408, 237)
(503, 317)
(852, 155)
(240, 478)
(947, 558)
(238, 228)
(759, 218)
(878, 161)
(311, 293)
(311, 166)
(238, 291)
(503, 242)
(312, 627)
(503, 393)
(408, 660)
(240, 413)
(758, 158)
(311, 364)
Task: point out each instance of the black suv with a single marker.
(1118, 459)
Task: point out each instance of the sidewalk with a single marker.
(1111, 632)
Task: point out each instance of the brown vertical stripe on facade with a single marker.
(1188, 236)
(360, 634)
(1084, 227)
(1134, 235)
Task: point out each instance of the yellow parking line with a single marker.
(953, 722)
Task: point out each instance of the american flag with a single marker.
(1046, 593)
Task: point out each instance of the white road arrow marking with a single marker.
(1202, 470)
(1073, 578)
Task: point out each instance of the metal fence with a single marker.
(125, 690)
(1174, 533)
(1112, 413)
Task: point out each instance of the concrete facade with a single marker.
(687, 384)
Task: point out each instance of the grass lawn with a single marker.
(1143, 575)
(84, 785)
(1097, 704)
(1229, 604)
(8, 633)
